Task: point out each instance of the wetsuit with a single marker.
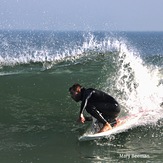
(100, 105)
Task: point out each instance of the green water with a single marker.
(38, 122)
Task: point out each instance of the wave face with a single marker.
(38, 67)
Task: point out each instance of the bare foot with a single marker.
(119, 122)
(106, 127)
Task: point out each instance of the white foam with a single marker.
(138, 84)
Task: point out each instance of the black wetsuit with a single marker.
(100, 105)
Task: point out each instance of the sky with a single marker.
(94, 15)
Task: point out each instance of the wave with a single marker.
(134, 81)
(137, 85)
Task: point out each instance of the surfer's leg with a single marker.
(108, 109)
(98, 115)
(112, 121)
(105, 127)
(110, 113)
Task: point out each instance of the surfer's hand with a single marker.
(81, 118)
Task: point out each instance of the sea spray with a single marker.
(26, 48)
(135, 84)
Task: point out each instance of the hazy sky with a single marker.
(123, 15)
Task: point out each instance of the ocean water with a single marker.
(37, 116)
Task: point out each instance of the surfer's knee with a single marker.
(117, 108)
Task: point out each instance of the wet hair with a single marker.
(74, 87)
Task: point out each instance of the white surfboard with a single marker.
(126, 123)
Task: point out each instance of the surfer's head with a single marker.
(75, 92)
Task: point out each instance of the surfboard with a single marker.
(125, 123)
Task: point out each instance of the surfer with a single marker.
(98, 104)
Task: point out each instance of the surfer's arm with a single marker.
(81, 114)
(83, 106)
